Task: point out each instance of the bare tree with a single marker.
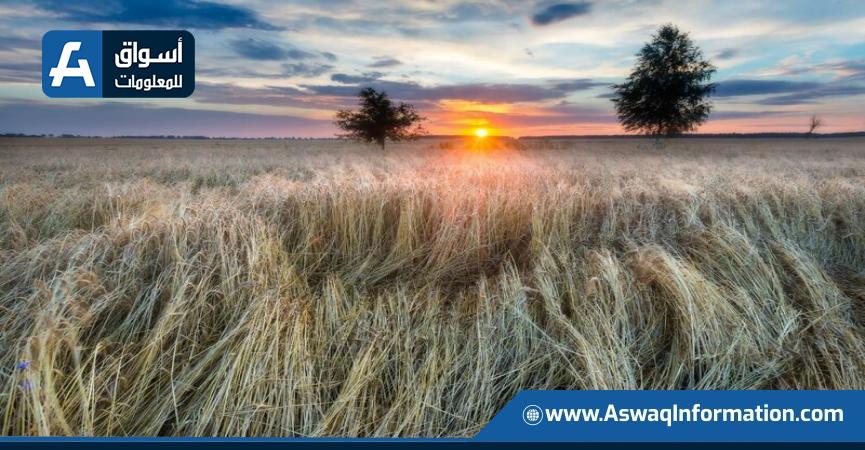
(816, 122)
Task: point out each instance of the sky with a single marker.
(518, 68)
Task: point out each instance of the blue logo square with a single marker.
(72, 64)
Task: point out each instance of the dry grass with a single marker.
(307, 289)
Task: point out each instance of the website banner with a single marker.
(680, 416)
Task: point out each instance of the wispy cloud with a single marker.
(726, 115)
(265, 50)
(576, 85)
(479, 92)
(278, 96)
(727, 53)
(385, 61)
(12, 43)
(817, 93)
(367, 77)
(305, 70)
(733, 88)
(793, 92)
(19, 72)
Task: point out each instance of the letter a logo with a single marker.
(72, 64)
(63, 70)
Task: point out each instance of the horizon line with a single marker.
(763, 134)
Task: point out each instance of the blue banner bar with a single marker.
(680, 416)
(595, 419)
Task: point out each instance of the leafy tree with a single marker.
(379, 119)
(667, 92)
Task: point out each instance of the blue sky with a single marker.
(518, 68)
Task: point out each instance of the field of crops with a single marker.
(309, 288)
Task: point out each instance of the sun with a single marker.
(481, 132)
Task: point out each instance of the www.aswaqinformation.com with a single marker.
(694, 413)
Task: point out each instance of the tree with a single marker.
(379, 120)
(816, 122)
(667, 92)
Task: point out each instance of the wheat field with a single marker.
(324, 288)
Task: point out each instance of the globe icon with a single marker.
(532, 415)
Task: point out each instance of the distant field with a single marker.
(307, 288)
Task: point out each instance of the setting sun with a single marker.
(481, 132)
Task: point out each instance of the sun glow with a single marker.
(481, 132)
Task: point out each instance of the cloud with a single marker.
(734, 88)
(581, 84)
(362, 25)
(560, 11)
(118, 119)
(14, 43)
(261, 50)
(396, 89)
(303, 69)
(853, 69)
(266, 51)
(231, 94)
(792, 92)
(727, 53)
(385, 61)
(574, 113)
(24, 72)
(308, 70)
(166, 13)
(479, 92)
(367, 77)
(474, 11)
(725, 115)
(811, 95)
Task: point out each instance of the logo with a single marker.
(63, 70)
(72, 64)
(532, 415)
(114, 64)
